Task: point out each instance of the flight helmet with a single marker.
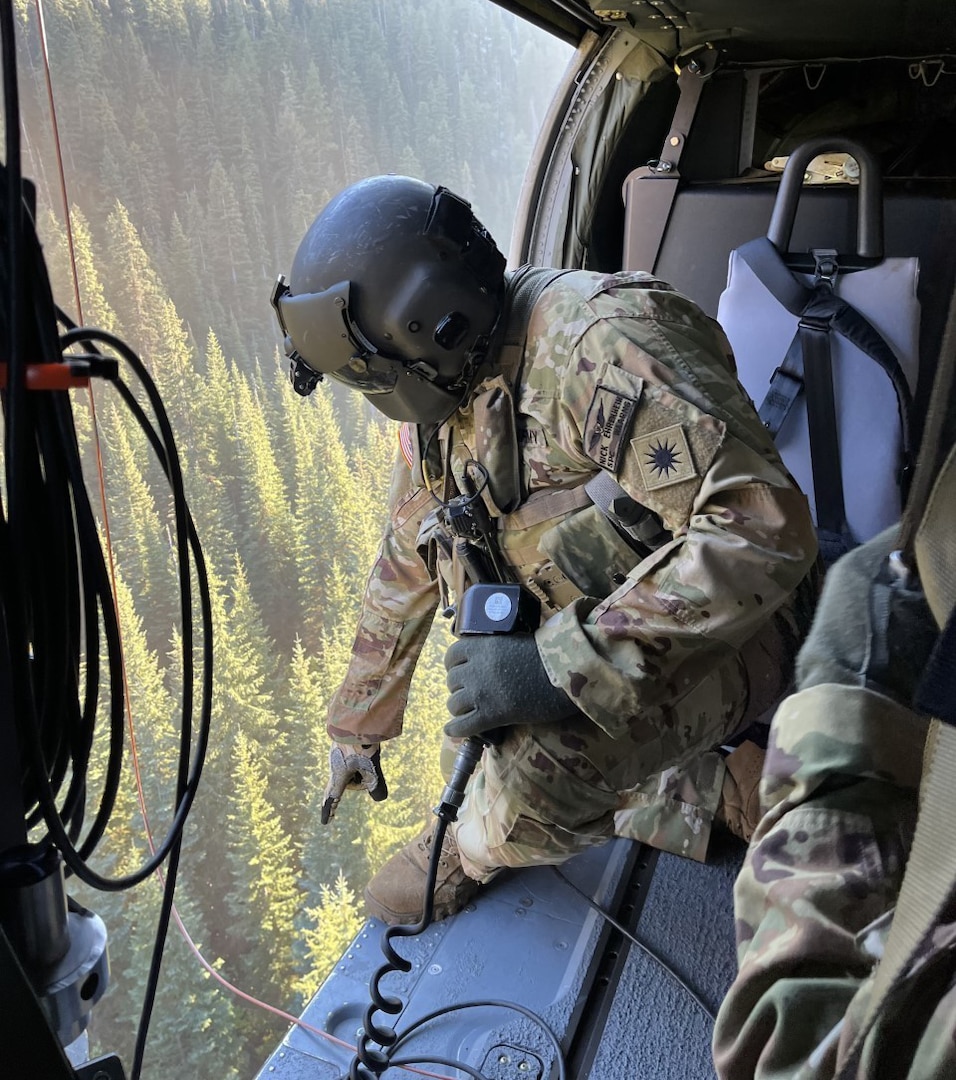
(394, 291)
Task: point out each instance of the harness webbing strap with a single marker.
(525, 286)
(807, 367)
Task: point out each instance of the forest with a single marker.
(198, 139)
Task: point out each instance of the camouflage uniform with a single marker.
(845, 781)
(624, 374)
(814, 901)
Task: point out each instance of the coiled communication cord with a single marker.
(368, 1062)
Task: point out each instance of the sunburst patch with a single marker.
(664, 457)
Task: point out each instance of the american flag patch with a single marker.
(406, 442)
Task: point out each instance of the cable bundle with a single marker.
(58, 609)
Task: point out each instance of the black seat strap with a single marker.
(808, 366)
(832, 529)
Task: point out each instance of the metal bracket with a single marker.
(108, 1067)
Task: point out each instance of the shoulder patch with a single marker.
(608, 423)
(664, 457)
(673, 447)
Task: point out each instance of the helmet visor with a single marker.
(319, 327)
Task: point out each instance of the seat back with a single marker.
(830, 356)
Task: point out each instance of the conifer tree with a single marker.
(267, 530)
(264, 897)
(332, 924)
(96, 309)
(134, 287)
(138, 532)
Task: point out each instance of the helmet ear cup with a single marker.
(424, 285)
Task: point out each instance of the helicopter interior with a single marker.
(664, 152)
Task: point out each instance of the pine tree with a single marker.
(335, 921)
(139, 534)
(303, 753)
(264, 897)
(267, 529)
(134, 286)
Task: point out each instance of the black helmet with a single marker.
(394, 291)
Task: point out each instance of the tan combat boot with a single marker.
(739, 808)
(397, 892)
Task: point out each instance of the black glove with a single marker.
(353, 767)
(498, 679)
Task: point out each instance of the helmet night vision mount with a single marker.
(394, 291)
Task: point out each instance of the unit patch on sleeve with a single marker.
(608, 423)
(672, 448)
(664, 457)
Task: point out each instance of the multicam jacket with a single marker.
(619, 373)
(815, 900)
(846, 918)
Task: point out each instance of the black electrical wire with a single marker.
(163, 446)
(369, 1063)
(484, 1004)
(187, 781)
(636, 941)
(156, 960)
(448, 1063)
(96, 600)
(187, 541)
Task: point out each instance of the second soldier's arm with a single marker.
(815, 897)
(397, 612)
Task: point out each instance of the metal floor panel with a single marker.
(655, 1029)
(530, 939)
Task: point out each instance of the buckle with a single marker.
(826, 266)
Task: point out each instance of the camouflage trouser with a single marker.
(553, 790)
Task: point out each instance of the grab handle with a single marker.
(869, 230)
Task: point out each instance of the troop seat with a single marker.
(709, 220)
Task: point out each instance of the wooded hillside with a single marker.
(199, 139)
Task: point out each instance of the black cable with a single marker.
(448, 1063)
(636, 941)
(367, 1058)
(156, 960)
(379, 1061)
(186, 540)
(484, 1004)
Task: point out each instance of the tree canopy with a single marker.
(199, 138)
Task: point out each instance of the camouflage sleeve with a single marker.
(652, 398)
(814, 899)
(397, 612)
